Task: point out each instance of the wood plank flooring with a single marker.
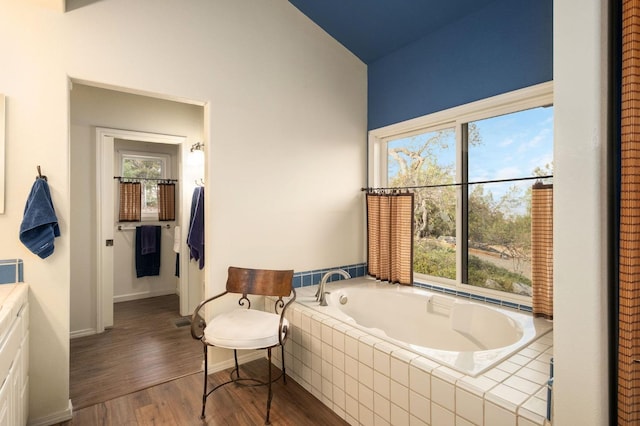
(146, 371)
(144, 348)
(178, 402)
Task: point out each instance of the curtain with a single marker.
(166, 201)
(629, 233)
(130, 202)
(542, 250)
(390, 237)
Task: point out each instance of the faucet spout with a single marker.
(321, 294)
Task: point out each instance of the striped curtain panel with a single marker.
(542, 250)
(166, 201)
(130, 208)
(390, 237)
(629, 243)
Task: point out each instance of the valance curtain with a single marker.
(166, 201)
(542, 250)
(130, 202)
(629, 237)
(390, 237)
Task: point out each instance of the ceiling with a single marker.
(372, 29)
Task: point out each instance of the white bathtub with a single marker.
(466, 336)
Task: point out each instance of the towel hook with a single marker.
(40, 175)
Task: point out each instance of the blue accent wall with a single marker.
(505, 46)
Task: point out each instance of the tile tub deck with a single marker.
(369, 381)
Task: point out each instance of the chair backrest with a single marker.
(264, 282)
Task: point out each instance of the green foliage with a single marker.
(432, 258)
(142, 168)
(438, 259)
(480, 271)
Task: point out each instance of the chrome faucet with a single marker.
(321, 294)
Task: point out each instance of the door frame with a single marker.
(105, 212)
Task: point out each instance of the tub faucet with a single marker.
(321, 294)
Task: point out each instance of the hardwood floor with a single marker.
(178, 402)
(147, 371)
(144, 348)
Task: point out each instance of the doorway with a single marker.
(101, 116)
(98, 117)
(109, 241)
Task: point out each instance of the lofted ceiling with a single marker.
(371, 29)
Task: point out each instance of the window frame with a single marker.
(166, 171)
(539, 95)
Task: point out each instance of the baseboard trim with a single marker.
(53, 418)
(142, 295)
(223, 365)
(82, 333)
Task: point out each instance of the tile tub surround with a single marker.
(368, 381)
(309, 278)
(11, 271)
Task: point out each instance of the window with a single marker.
(471, 170)
(146, 166)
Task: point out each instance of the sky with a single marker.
(511, 146)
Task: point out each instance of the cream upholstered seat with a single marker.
(246, 328)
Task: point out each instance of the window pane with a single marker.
(429, 159)
(142, 167)
(499, 216)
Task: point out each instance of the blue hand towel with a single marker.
(39, 223)
(147, 265)
(148, 240)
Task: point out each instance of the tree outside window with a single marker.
(495, 216)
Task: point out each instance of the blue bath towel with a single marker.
(147, 264)
(39, 224)
(195, 238)
(148, 239)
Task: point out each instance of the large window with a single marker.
(472, 170)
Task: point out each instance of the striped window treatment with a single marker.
(390, 237)
(629, 237)
(542, 250)
(166, 201)
(130, 202)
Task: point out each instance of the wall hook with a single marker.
(40, 175)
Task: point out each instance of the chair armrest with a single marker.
(283, 329)
(197, 322)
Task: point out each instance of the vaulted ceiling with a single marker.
(372, 29)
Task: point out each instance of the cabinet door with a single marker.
(16, 389)
(5, 402)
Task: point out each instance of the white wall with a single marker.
(91, 107)
(285, 123)
(580, 218)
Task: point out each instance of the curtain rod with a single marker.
(121, 178)
(457, 184)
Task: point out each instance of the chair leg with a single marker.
(235, 358)
(284, 371)
(204, 392)
(270, 395)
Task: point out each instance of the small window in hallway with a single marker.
(146, 166)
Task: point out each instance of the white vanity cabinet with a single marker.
(14, 354)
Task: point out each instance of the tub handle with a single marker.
(323, 298)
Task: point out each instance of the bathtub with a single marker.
(465, 336)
